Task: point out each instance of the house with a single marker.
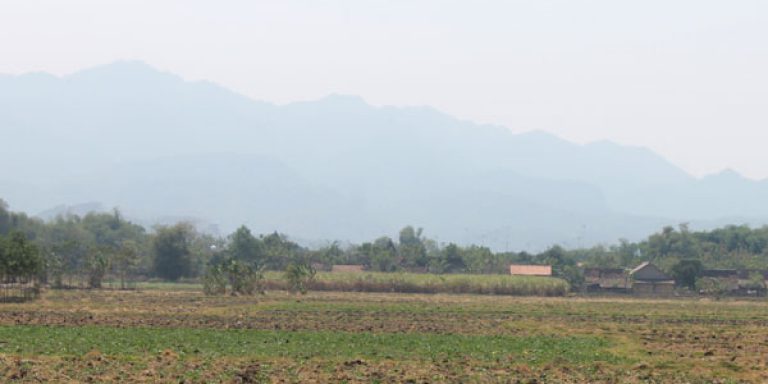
(347, 268)
(648, 279)
(752, 282)
(645, 279)
(614, 280)
(530, 270)
(737, 281)
(726, 279)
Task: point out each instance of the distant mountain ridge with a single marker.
(146, 141)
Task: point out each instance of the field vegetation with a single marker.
(168, 335)
(430, 283)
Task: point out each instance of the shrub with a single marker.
(215, 282)
(97, 265)
(243, 279)
(299, 277)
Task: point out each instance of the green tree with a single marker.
(126, 260)
(660, 245)
(383, 255)
(628, 253)
(279, 250)
(563, 266)
(454, 262)
(685, 246)
(67, 244)
(97, 265)
(245, 247)
(172, 256)
(5, 218)
(412, 248)
(480, 260)
(54, 267)
(206, 250)
(331, 254)
(572, 274)
(19, 258)
(686, 272)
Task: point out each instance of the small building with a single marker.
(738, 281)
(530, 270)
(648, 279)
(615, 280)
(753, 282)
(728, 279)
(347, 268)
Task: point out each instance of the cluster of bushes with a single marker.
(84, 251)
(730, 247)
(236, 278)
(20, 267)
(233, 277)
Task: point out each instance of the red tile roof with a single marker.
(530, 270)
(347, 268)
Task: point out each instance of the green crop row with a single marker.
(77, 341)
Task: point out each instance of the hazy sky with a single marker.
(687, 78)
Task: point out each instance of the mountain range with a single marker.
(161, 149)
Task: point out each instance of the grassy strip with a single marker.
(408, 283)
(76, 341)
(431, 283)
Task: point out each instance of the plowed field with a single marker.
(184, 336)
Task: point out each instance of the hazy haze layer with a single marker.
(684, 78)
(163, 149)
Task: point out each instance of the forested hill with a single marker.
(160, 148)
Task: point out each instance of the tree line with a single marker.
(73, 249)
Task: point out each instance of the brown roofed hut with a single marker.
(648, 279)
(614, 280)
